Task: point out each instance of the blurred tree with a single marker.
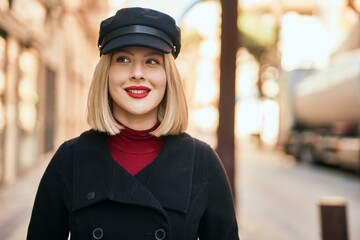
(258, 32)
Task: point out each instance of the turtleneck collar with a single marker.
(138, 134)
(136, 141)
(133, 149)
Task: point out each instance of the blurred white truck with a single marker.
(320, 113)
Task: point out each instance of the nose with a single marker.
(137, 72)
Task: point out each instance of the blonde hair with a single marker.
(172, 111)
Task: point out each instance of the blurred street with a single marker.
(277, 199)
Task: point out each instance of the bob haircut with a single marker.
(172, 111)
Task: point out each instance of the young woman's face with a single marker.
(137, 84)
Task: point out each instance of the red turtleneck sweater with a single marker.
(134, 150)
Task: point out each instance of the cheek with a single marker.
(114, 86)
(161, 91)
(117, 74)
(161, 81)
(116, 79)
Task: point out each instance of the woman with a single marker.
(136, 174)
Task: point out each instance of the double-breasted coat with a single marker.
(183, 194)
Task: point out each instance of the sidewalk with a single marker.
(16, 201)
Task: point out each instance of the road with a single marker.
(279, 198)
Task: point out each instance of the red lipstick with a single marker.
(137, 91)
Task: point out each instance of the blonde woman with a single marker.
(136, 174)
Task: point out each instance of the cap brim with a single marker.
(135, 40)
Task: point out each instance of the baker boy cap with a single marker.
(139, 27)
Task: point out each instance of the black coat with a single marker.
(183, 194)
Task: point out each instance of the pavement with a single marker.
(280, 198)
(16, 202)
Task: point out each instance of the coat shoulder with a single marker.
(186, 137)
(201, 147)
(204, 155)
(64, 155)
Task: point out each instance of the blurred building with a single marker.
(47, 55)
(309, 34)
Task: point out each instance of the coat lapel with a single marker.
(97, 177)
(170, 176)
(92, 173)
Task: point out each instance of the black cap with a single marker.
(139, 27)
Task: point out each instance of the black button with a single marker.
(98, 233)
(160, 234)
(91, 195)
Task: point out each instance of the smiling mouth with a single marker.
(137, 93)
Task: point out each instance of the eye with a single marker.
(122, 59)
(153, 61)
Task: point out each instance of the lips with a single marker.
(137, 91)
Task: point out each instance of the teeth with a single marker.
(138, 91)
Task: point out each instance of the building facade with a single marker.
(47, 55)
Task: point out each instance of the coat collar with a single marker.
(98, 177)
